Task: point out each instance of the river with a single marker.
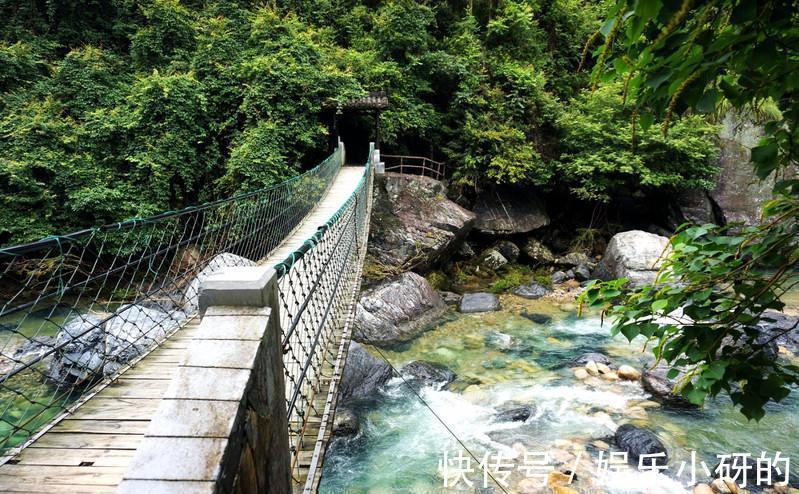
(504, 359)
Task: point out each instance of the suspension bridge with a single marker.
(195, 351)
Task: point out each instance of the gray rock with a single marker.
(559, 277)
(450, 298)
(466, 251)
(428, 373)
(573, 259)
(743, 346)
(535, 317)
(501, 341)
(363, 375)
(493, 259)
(508, 210)
(637, 441)
(518, 413)
(696, 207)
(93, 348)
(635, 255)
(538, 252)
(133, 330)
(397, 310)
(413, 224)
(26, 352)
(599, 358)
(82, 356)
(479, 302)
(345, 423)
(582, 272)
(532, 291)
(782, 328)
(508, 249)
(656, 382)
(740, 195)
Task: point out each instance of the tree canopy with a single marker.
(113, 109)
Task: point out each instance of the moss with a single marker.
(438, 280)
(376, 271)
(513, 275)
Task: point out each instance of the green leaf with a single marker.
(648, 9)
(765, 153)
(707, 103)
(630, 331)
(659, 305)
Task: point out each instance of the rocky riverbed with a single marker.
(532, 378)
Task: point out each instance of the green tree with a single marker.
(601, 156)
(681, 56)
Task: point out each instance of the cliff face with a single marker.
(739, 195)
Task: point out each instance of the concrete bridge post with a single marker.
(221, 427)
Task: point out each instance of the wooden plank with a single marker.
(78, 440)
(34, 486)
(103, 426)
(30, 476)
(151, 372)
(136, 388)
(99, 408)
(75, 457)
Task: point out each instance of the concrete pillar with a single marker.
(221, 427)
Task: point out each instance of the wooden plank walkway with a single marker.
(90, 450)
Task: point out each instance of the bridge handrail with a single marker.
(415, 165)
(77, 309)
(310, 316)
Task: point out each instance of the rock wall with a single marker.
(739, 195)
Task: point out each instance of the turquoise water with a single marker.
(402, 442)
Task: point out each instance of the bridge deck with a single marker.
(90, 450)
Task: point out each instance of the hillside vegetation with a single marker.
(112, 109)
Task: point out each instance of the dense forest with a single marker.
(113, 109)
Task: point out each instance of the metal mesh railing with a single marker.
(77, 309)
(316, 285)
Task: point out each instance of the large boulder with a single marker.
(133, 330)
(635, 255)
(397, 310)
(509, 210)
(413, 224)
(363, 375)
(345, 422)
(91, 346)
(656, 381)
(478, 302)
(428, 373)
(637, 441)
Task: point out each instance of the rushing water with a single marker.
(503, 359)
